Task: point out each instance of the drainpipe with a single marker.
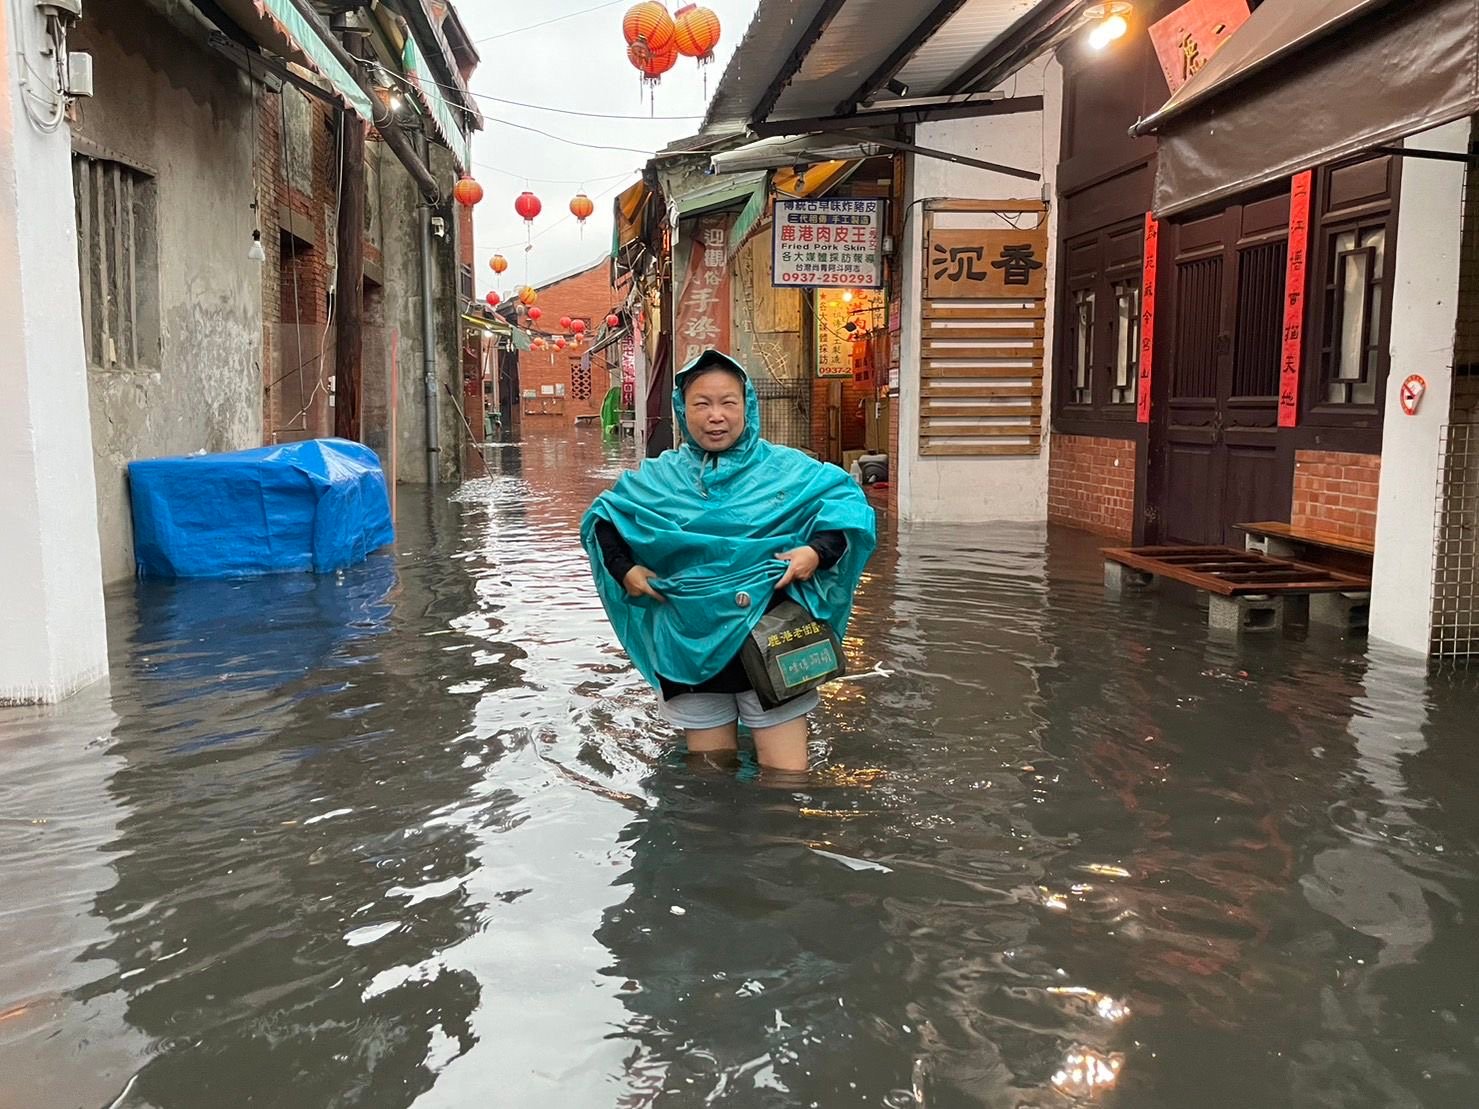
(428, 345)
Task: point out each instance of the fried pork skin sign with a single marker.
(828, 244)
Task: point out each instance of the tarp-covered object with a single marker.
(315, 506)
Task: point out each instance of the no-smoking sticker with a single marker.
(1412, 394)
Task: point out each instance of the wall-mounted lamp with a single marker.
(255, 253)
(1109, 21)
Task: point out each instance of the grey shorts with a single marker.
(702, 711)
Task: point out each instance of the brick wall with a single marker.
(1336, 493)
(295, 280)
(589, 296)
(1091, 484)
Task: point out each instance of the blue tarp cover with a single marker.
(315, 506)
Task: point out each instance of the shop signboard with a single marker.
(1187, 38)
(837, 347)
(703, 302)
(828, 244)
(977, 264)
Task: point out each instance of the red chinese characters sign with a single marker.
(1294, 295)
(1187, 38)
(1147, 316)
(703, 304)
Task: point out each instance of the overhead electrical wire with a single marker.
(547, 22)
(526, 127)
(525, 104)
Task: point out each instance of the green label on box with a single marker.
(806, 663)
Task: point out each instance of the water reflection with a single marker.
(414, 835)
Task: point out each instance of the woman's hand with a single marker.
(638, 583)
(803, 563)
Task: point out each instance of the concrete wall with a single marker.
(165, 103)
(1424, 321)
(51, 605)
(969, 489)
(400, 205)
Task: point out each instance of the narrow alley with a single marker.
(413, 834)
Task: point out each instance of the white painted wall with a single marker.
(1424, 320)
(977, 489)
(52, 638)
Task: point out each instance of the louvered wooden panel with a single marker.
(981, 365)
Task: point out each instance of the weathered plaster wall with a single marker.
(402, 221)
(977, 489)
(167, 104)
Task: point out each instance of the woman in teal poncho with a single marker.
(691, 550)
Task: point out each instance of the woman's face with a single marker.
(715, 403)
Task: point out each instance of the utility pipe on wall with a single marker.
(428, 343)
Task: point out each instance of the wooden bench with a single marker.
(1248, 588)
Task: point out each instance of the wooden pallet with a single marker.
(1229, 572)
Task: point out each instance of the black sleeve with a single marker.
(615, 551)
(830, 546)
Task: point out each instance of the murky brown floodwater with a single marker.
(413, 836)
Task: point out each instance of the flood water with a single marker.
(414, 835)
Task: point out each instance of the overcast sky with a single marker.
(577, 64)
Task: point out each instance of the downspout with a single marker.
(428, 345)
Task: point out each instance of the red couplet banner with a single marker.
(1147, 315)
(1294, 293)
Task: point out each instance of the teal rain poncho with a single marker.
(709, 526)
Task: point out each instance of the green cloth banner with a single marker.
(287, 14)
(443, 115)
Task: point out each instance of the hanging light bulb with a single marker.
(1111, 24)
(255, 252)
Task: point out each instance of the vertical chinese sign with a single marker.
(1187, 38)
(828, 244)
(1147, 316)
(845, 321)
(628, 373)
(981, 351)
(702, 317)
(1294, 296)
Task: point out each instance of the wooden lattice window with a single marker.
(580, 379)
(118, 263)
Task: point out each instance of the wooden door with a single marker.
(1218, 425)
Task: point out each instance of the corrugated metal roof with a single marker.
(855, 43)
(965, 36)
(773, 34)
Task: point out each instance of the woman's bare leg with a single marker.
(783, 747)
(712, 741)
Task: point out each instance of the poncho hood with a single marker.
(710, 525)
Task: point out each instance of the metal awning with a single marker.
(1285, 93)
(790, 150)
(823, 65)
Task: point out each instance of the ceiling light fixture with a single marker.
(1109, 20)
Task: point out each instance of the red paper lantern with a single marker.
(564, 323)
(581, 207)
(559, 344)
(696, 32)
(535, 313)
(653, 62)
(467, 192)
(528, 206)
(648, 24)
(577, 326)
(613, 321)
(493, 299)
(527, 295)
(498, 263)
